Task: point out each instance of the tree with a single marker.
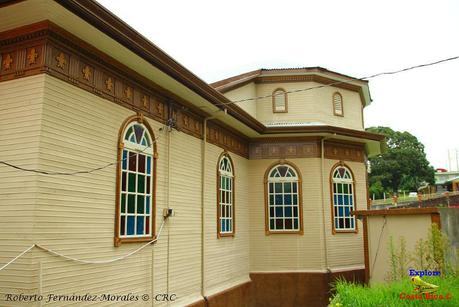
(403, 166)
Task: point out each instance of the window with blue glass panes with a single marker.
(136, 183)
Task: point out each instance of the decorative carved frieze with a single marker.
(288, 149)
(50, 50)
(283, 150)
(227, 140)
(345, 152)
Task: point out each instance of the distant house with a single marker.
(446, 180)
(108, 131)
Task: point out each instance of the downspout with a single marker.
(322, 177)
(169, 141)
(203, 193)
(203, 183)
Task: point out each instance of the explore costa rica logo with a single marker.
(422, 289)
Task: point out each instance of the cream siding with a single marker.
(411, 227)
(310, 106)
(227, 258)
(346, 249)
(314, 106)
(66, 129)
(20, 119)
(294, 252)
(75, 214)
(246, 91)
(286, 252)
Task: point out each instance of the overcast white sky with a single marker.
(216, 39)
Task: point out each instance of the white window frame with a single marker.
(343, 198)
(135, 148)
(273, 207)
(279, 94)
(225, 196)
(338, 111)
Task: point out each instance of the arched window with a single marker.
(225, 196)
(338, 104)
(343, 199)
(280, 101)
(283, 197)
(135, 213)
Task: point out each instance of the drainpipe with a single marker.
(322, 178)
(203, 193)
(169, 142)
(203, 183)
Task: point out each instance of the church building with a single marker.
(124, 174)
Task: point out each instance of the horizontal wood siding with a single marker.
(20, 113)
(226, 258)
(286, 252)
(75, 214)
(346, 249)
(247, 91)
(310, 106)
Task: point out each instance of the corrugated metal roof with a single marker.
(293, 124)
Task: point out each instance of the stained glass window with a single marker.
(343, 199)
(136, 183)
(283, 199)
(225, 196)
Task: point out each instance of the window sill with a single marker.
(225, 235)
(119, 241)
(284, 232)
(344, 231)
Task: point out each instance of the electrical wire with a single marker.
(87, 261)
(379, 244)
(229, 103)
(393, 72)
(77, 172)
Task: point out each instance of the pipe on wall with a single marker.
(322, 178)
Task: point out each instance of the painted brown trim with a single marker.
(398, 211)
(8, 3)
(117, 240)
(305, 147)
(239, 295)
(279, 149)
(297, 288)
(224, 84)
(65, 56)
(199, 303)
(326, 129)
(312, 78)
(342, 104)
(226, 139)
(334, 230)
(435, 218)
(232, 234)
(366, 252)
(346, 151)
(300, 199)
(274, 100)
(102, 19)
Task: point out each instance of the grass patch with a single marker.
(388, 295)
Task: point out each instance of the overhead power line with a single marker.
(224, 104)
(77, 172)
(393, 72)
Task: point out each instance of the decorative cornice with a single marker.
(289, 148)
(46, 48)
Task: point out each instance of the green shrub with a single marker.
(388, 295)
(430, 254)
